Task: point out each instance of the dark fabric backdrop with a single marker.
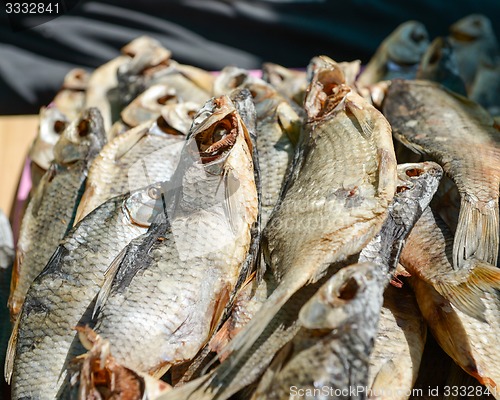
(209, 34)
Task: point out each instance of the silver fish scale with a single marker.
(275, 152)
(300, 219)
(47, 340)
(164, 315)
(52, 208)
(336, 360)
(153, 159)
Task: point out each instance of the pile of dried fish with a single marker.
(270, 238)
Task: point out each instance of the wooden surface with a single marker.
(16, 134)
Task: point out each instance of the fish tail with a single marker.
(477, 232)
(467, 296)
(245, 339)
(11, 352)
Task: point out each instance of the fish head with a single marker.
(471, 28)
(76, 79)
(229, 79)
(437, 60)
(145, 52)
(82, 139)
(215, 130)
(276, 74)
(143, 205)
(148, 105)
(327, 91)
(342, 298)
(417, 183)
(52, 125)
(407, 44)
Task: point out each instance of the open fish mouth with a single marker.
(216, 141)
(326, 92)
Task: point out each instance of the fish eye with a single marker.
(154, 193)
(349, 289)
(417, 37)
(83, 128)
(414, 172)
(165, 99)
(59, 126)
(477, 23)
(237, 80)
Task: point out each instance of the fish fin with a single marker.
(109, 276)
(221, 302)
(244, 340)
(160, 370)
(129, 140)
(477, 233)
(225, 333)
(289, 121)
(230, 208)
(11, 351)
(14, 302)
(273, 370)
(467, 295)
(83, 208)
(220, 340)
(412, 146)
(366, 125)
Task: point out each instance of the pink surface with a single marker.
(25, 183)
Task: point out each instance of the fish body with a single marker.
(398, 55)
(460, 306)
(304, 232)
(185, 279)
(439, 64)
(52, 208)
(417, 183)
(431, 120)
(329, 355)
(474, 42)
(301, 238)
(278, 130)
(143, 155)
(399, 345)
(63, 295)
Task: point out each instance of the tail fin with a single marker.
(467, 295)
(477, 233)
